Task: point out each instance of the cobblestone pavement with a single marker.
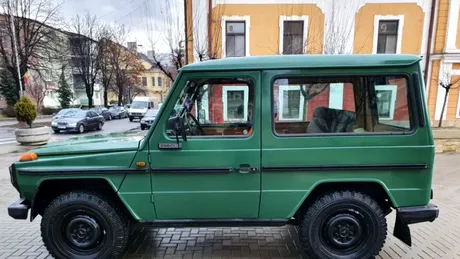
(440, 239)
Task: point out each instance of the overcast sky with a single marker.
(145, 18)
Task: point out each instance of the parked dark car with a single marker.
(118, 112)
(62, 112)
(78, 121)
(148, 119)
(103, 111)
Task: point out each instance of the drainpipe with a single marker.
(430, 35)
(209, 28)
(186, 32)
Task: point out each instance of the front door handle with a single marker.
(245, 168)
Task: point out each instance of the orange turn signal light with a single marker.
(140, 164)
(28, 157)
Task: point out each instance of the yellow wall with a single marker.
(412, 30)
(264, 25)
(441, 26)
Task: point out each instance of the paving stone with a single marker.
(439, 239)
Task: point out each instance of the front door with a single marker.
(215, 174)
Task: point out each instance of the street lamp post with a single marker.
(21, 91)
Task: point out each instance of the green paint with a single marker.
(261, 194)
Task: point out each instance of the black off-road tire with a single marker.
(84, 204)
(332, 220)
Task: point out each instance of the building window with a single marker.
(388, 34)
(291, 101)
(144, 81)
(335, 105)
(293, 37)
(235, 38)
(235, 99)
(153, 81)
(160, 81)
(388, 37)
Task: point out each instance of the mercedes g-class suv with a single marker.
(329, 143)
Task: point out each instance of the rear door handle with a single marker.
(245, 168)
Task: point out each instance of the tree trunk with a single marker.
(443, 106)
(105, 96)
(120, 97)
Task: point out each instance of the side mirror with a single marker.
(53, 114)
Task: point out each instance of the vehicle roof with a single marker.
(304, 61)
(142, 97)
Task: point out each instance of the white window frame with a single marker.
(394, 91)
(304, 19)
(236, 18)
(228, 88)
(377, 19)
(283, 88)
(457, 115)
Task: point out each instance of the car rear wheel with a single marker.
(343, 224)
(130, 119)
(99, 126)
(81, 128)
(110, 117)
(83, 225)
(142, 127)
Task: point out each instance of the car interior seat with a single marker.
(328, 120)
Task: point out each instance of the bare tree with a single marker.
(167, 30)
(35, 39)
(86, 50)
(126, 66)
(37, 89)
(447, 82)
(107, 71)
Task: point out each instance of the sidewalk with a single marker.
(14, 121)
(447, 139)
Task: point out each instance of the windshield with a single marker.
(139, 105)
(151, 113)
(74, 114)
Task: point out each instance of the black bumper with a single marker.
(19, 209)
(412, 215)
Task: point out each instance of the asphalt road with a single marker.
(9, 144)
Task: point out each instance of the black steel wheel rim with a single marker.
(81, 232)
(344, 230)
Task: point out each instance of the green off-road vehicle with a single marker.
(328, 143)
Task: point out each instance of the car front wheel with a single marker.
(83, 225)
(81, 128)
(343, 224)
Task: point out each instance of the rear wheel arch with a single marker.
(375, 189)
(49, 189)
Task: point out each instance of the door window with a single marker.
(216, 107)
(341, 105)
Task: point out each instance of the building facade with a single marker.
(428, 28)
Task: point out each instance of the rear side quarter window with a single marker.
(341, 105)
